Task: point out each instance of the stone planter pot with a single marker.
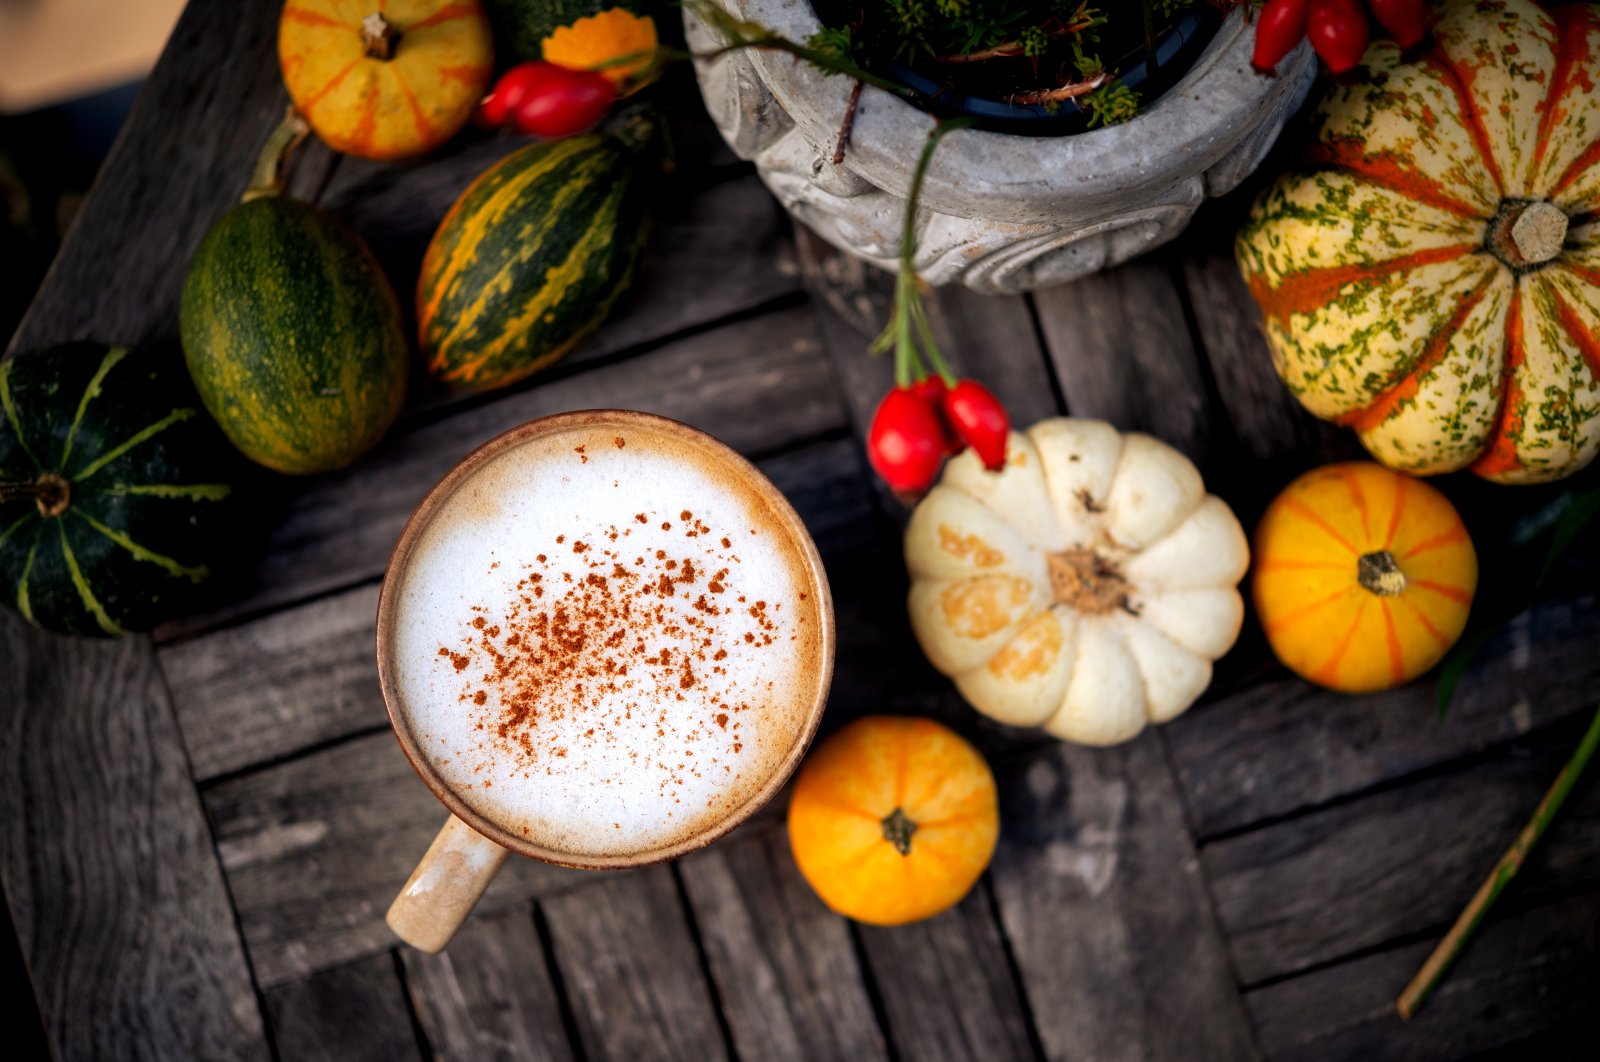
(1001, 213)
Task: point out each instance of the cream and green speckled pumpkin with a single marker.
(1431, 276)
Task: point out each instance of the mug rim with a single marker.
(751, 476)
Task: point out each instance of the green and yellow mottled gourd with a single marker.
(1431, 275)
(114, 489)
(530, 260)
(291, 331)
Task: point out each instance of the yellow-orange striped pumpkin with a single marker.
(1363, 576)
(385, 79)
(1431, 275)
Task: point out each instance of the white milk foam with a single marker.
(565, 692)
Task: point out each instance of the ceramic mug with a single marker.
(470, 848)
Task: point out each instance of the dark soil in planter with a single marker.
(987, 90)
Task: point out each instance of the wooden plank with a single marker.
(183, 157)
(758, 385)
(1278, 437)
(115, 892)
(1405, 860)
(784, 965)
(627, 956)
(1102, 898)
(315, 849)
(1123, 353)
(1283, 745)
(946, 987)
(267, 689)
(989, 337)
(489, 995)
(1525, 975)
(356, 1011)
(311, 677)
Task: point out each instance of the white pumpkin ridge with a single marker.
(1086, 587)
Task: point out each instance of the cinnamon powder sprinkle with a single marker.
(610, 648)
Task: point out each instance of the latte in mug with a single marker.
(604, 640)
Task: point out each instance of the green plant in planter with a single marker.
(1040, 54)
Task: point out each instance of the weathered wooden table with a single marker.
(201, 830)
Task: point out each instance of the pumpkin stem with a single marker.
(1527, 233)
(49, 492)
(1086, 582)
(897, 830)
(272, 165)
(1380, 573)
(379, 37)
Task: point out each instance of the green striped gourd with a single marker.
(293, 336)
(530, 260)
(113, 488)
(1430, 275)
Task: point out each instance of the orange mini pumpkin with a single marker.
(1363, 576)
(893, 819)
(599, 41)
(385, 79)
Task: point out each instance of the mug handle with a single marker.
(441, 892)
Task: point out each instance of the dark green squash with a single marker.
(530, 259)
(114, 489)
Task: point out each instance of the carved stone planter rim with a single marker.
(981, 174)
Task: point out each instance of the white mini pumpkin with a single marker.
(1085, 588)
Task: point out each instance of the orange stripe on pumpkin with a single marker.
(445, 14)
(1397, 665)
(1297, 566)
(1328, 673)
(1401, 485)
(1359, 500)
(1310, 515)
(1427, 624)
(314, 18)
(1444, 538)
(418, 118)
(1572, 55)
(360, 138)
(1312, 289)
(1587, 343)
(1501, 453)
(468, 75)
(333, 83)
(1432, 354)
(1348, 153)
(1288, 619)
(1454, 593)
(1460, 80)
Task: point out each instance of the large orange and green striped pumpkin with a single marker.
(530, 260)
(114, 489)
(385, 79)
(1431, 275)
(1363, 577)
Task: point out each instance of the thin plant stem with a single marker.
(1433, 970)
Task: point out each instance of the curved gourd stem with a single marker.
(1380, 573)
(50, 492)
(272, 167)
(379, 37)
(897, 830)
